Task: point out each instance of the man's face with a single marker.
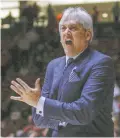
(73, 38)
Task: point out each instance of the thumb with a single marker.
(37, 83)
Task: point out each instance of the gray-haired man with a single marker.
(76, 98)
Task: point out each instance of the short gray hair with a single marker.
(80, 15)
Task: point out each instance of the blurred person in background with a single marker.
(5, 62)
(52, 21)
(95, 15)
(30, 12)
(30, 130)
(116, 12)
(116, 110)
(9, 19)
(77, 95)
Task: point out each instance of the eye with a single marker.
(63, 28)
(73, 28)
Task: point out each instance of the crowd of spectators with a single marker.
(25, 56)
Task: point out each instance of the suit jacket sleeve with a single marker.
(97, 89)
(38, 119)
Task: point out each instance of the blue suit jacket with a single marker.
(81, 95)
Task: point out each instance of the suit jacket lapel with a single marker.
(84, 55)
(82, 59)
(58, 72)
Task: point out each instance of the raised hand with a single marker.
(26, 94)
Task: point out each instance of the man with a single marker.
(77, 95)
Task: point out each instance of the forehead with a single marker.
(71, 22)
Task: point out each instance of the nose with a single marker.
(67, 31)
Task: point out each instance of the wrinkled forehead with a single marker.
(71, 22)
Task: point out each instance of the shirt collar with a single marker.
(74, 56)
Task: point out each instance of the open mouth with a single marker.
(68, 42)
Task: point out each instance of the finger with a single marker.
(16, 98)
(18, 86)
(37, 83)
(16, 90)
(24, 85)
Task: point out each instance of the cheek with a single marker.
(62, 35)
(79, 38)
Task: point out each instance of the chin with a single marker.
(68, 53)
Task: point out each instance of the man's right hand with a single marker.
(26, 94)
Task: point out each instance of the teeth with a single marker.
(68, 41)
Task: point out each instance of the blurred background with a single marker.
(30, 39)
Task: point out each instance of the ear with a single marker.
(88, 35)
